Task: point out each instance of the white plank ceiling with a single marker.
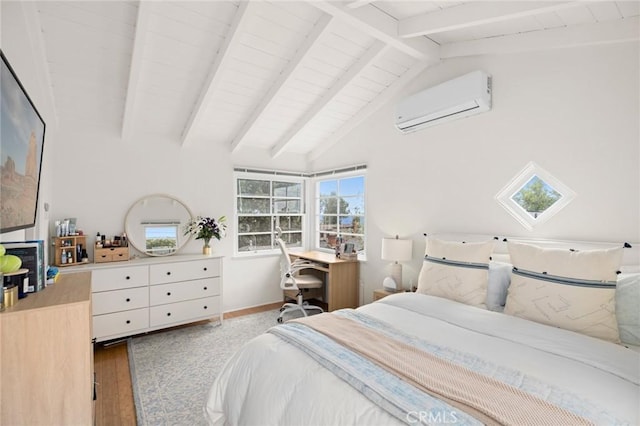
(282, 76)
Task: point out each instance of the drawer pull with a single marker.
(169, 273)
(128, 299)
(127, 277)
(205, 288)
(128, 321)
(205, 268)
(168, 293)
(205, 306)
(168, 314)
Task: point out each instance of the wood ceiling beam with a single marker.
(366, 112)
(474, 14)
(231, 41)
(139, 42)
(373, 53)
(377, 24)
(320, 28)
(619, 31)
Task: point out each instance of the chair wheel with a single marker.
(279, 320)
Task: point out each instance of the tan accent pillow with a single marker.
(456, 271)
(574, 290)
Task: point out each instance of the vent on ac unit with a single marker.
(461, 97)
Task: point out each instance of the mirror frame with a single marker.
(141, 245)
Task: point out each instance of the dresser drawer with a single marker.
(184, 311)
(120, 323)
(117, 278)
(184, 271)
(185, 290)
(120, 300)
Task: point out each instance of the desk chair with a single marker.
(293, 280)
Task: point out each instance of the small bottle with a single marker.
(63, 257)
(98, 239)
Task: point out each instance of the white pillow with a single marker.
(499, 280)
(456, 271)
(628, 308)
(574, 290)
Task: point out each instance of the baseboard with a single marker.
(252, 310)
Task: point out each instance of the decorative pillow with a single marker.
(456, 271)
(628, 308)
(574, 290)
(499, 280)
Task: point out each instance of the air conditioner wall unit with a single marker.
(466, 95)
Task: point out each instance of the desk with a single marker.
(342, 278)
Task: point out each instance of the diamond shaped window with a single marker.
(534, 196)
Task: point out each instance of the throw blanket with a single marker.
(482, 397)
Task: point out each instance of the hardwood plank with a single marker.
(115, 405)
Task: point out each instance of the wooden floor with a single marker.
(114, 405)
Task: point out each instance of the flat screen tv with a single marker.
(21, 143)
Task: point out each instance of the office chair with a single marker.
(293, 280)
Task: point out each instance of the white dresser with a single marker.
(153, 293)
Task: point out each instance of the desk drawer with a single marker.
(120, 300)
(177, 292)
(117, 278)
(184, 271)
(184, 311)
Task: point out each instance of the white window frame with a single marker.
(271, 177)
(362, 256)
(505, 196)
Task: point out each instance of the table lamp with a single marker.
(396, 250)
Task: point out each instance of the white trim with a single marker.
(269, 176)
(505, 196)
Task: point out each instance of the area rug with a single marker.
(172, 371)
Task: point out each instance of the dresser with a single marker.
(47, 356)
(149, 294)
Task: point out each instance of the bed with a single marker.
(295, 374)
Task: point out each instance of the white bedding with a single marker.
(270, 382)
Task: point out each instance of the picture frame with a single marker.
(22, 133)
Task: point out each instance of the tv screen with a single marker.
(21, 143)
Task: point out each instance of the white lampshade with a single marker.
(396, 250)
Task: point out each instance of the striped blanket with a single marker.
(412, 381)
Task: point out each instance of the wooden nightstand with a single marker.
(380, 293)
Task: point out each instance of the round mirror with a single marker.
(154, 225)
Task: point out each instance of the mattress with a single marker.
(270, 381)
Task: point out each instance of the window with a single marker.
(534, 196)
(262, 203)
(340, 212)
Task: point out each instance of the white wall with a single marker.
(22, 51)
(575, 112)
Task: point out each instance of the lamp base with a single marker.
(396, 274)
(389, 284)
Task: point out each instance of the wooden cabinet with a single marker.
(154, 293)
(67, 250)
(110, 254)
(47, 356)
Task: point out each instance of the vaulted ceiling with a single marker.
(282, 76)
